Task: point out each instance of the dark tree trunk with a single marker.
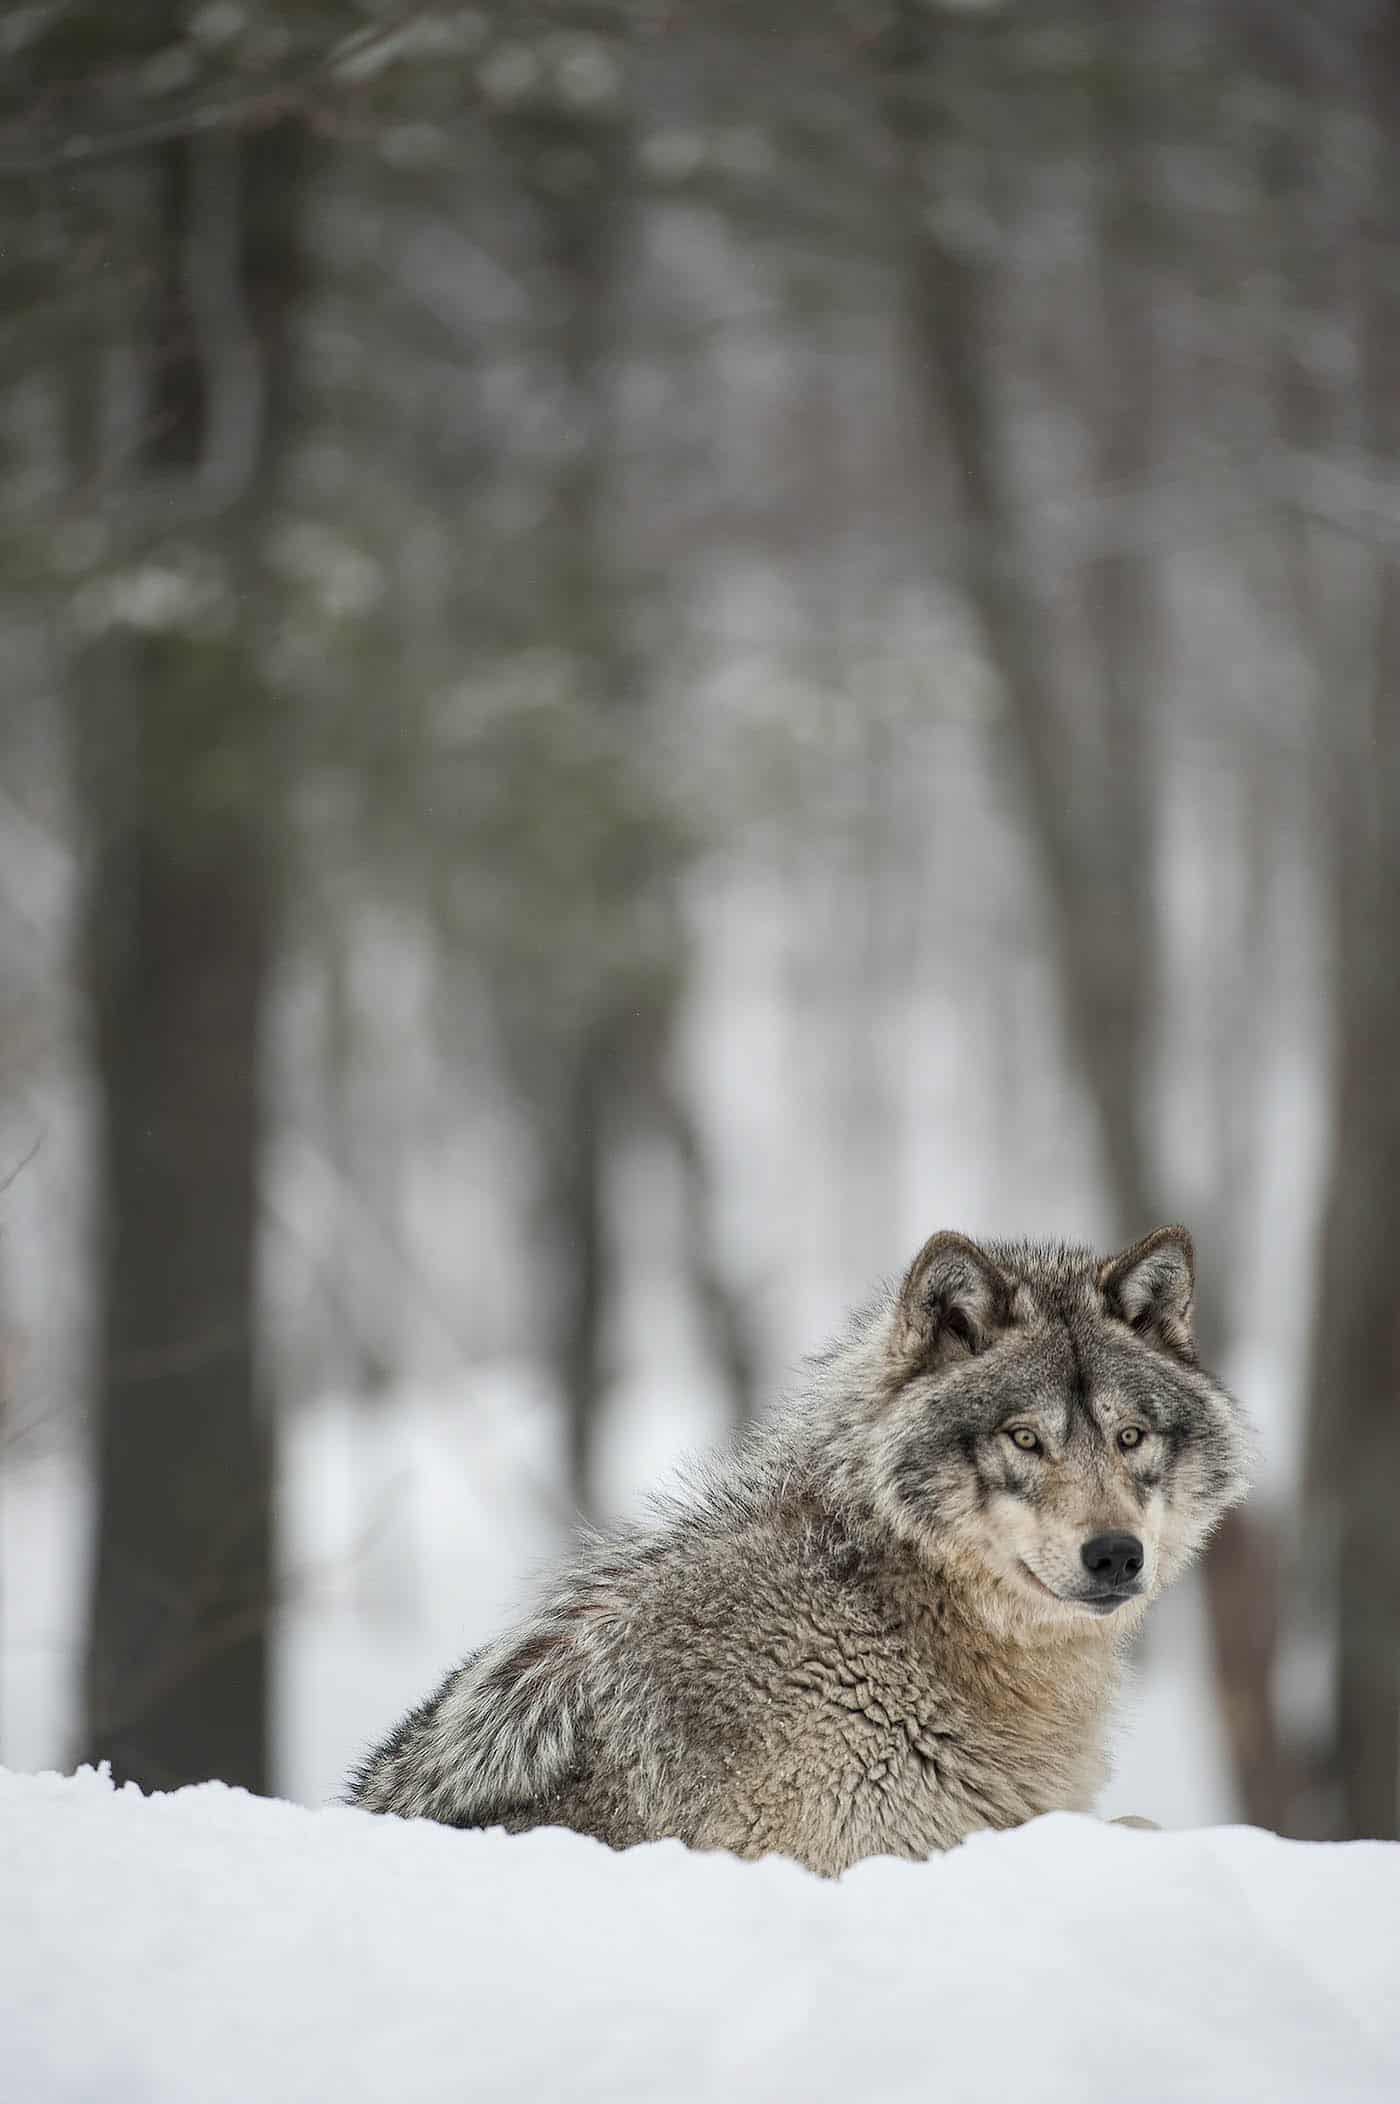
(723, 1310)
(571, 165)
(1355, 1447)
(1114, 812)
(180, 932)
(174, 733)
(579, 1151)
(951, 295)
(1355, 1385)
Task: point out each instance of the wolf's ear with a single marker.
(951, 1303)
(1151, 1287)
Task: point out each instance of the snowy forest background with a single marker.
(648, 650)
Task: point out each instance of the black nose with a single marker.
(1113, 1559)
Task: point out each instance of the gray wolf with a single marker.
(892, 1617)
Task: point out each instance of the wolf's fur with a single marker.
(870, 1631)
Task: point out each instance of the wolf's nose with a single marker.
(1113, 1559)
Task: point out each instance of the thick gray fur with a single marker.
(870, 1630)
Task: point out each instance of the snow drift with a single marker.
(212, 1946)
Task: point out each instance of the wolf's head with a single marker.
(1046, 1427)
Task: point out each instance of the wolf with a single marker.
(896, 1614)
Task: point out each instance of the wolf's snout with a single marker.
(1113, 1560)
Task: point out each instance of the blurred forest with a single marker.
(648, 650)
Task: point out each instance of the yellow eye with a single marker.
(1023, 1437)
(1130, 1436)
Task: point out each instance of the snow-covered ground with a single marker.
(213, 1948)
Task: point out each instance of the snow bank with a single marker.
(210, 1946)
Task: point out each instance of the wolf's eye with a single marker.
(1023, 1437)
(1130, 1436)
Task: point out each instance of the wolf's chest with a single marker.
(869, 1749)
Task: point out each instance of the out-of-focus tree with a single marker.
(1355, 1378)
(599, 1054)
(568, 142)
(177, 395)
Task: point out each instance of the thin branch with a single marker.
(347, 57)
(21, 1165)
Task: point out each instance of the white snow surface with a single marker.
(209, 1946)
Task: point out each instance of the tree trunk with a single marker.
(577, 1186)
(570, 165)
(1355, 1420)
(723, 1309)
(180, 931)
(950, 293)
(174, 733)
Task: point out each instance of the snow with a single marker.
(213, 1946)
